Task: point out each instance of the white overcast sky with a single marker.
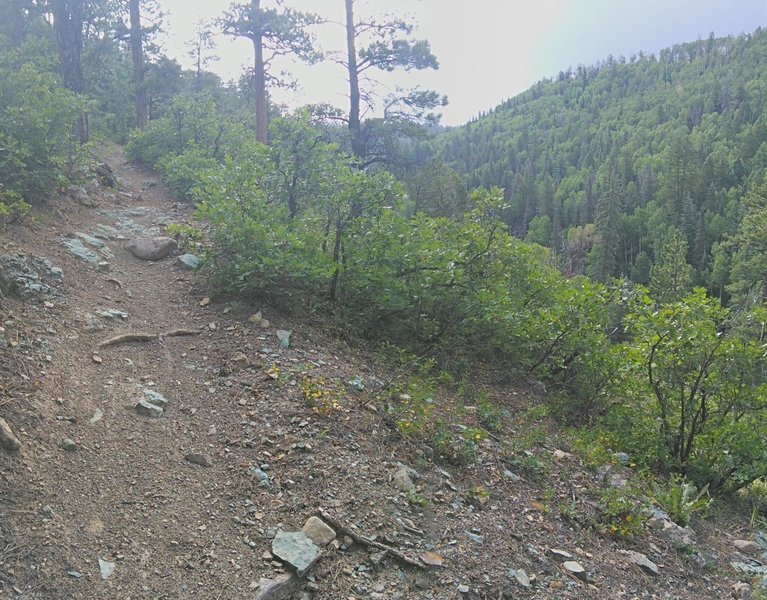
(489, 50)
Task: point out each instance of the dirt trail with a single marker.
(164, 527)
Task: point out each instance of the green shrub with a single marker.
(37, 148)
(681, 499)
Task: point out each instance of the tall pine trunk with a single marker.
(259, 82)
(137, 52)
(355, 128)
(68, 16)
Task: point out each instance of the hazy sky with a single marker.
(488, 50)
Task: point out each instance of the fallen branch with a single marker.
(126, 338)
(361, 539)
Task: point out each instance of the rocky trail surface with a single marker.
(158, 444)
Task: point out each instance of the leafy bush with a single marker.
(693, 377)
(37, 148)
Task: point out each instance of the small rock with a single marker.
(155, 398)
(205, 301)
(281, 588)
(463, 589)
(75, 574)
(148, 409)
(260, 475)
(432, 559)
(558, 555)
(69, 445)
(97, 359)
(92, 323)
(746, 546)
(199, 459)
(113, 313)
(297, 550)
(575, 569)
(560, 454)
(103, 266)
(188, 261)
(284, 337)
(318, 531)
(256, 318)
(622, 458)
(402, 480)
(154, 248)
(48, 512)
(7, 438)
(106, 568)
(742, 591)
(240, 361)
(521, 576)
(643, 562)
(478, 539)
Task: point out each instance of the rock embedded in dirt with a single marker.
(284, 337)
(69, 445)
(575, 569)
(746, 546)
(402, 481)
(28, 276)
(199, 459)
(78, 249)
(155, 398)
(318, 531)
(7, 438)
(148, 409)
(643, 562)
(558, 555)
(240, 361)
(297, 550)
(281, 588)
(188, 261)
(154, 248)
(107, 568)
(742, 591)
(521, 577)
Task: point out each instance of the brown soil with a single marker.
(180, 530)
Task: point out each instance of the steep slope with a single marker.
(104, 502)
(633, 146)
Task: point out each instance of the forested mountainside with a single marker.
(600, 163)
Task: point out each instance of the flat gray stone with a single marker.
(284, 337)
(113, 313)
(643, 562)
(107, 568)
(69, 445)
(78, 249)
(188, 261)
(297, 550)
(154, 248)
(318, 531)
(575, 569)
(91, 241)
(148, 410)
(155, 398)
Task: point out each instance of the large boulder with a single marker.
(153, 248)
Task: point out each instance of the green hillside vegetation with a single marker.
(633, 171)
(603, 162)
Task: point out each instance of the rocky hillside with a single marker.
(162, 444)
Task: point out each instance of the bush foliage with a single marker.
(681, 384)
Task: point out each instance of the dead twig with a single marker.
(361, 539)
